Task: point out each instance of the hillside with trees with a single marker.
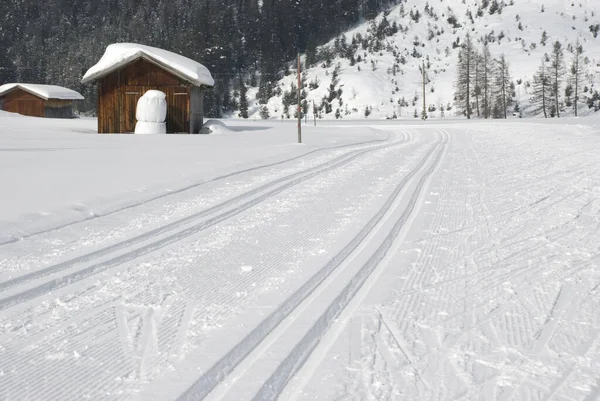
(481, 60)
(361, 58)
(56, 41)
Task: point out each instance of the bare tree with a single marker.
(577, 72)
(487, 67)
(557, 67)
(464, 83)
(424, 81)
(541, 89)
(503, 85)
(477, 74)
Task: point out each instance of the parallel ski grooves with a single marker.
(186, 188)
(296, 359)
(68, 279)
(203, 386)
(166, 228)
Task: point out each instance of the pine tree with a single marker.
(577, 71)
(557, 68)
(243, 100)
(503, 86)
(464, 84)
(264, 89)
(264, 113)
(311, 53)
(541, 89)
(333, 92)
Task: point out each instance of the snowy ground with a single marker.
(436, 261)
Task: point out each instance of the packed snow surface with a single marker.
(120, 54)
(44, 91)
(379, 261)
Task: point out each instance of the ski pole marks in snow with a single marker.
(290, 366)
(495, 295)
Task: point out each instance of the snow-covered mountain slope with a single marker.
(378, 73)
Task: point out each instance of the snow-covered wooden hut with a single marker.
(127, 70)
(38, 100)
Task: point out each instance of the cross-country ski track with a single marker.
(419, 261)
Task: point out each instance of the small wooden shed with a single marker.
(127, 70)
(38, 100)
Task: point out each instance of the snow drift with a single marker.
(214, 127)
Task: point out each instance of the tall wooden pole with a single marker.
(424, 113)
(299, 106)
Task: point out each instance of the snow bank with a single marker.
(44, 91)
(119, 54)
(214, 127)
(60, 180)
(152, 107)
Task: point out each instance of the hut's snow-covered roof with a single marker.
(44, 91)
(120, 54)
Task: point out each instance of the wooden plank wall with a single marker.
(55, 108)
(66, 111)
(58, 103)
(196, 110)
(108, 104)
(119, 92)
(19, 101)
(178, 112)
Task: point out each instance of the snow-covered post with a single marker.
(424, 112)
(299, 105)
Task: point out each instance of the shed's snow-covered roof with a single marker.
(44, 91)
(119, 54)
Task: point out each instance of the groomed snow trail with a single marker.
(494, 293)
(149, 292)
(446, 262)
(152, 241)
(283, 372)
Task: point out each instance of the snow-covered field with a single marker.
(388, 261)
